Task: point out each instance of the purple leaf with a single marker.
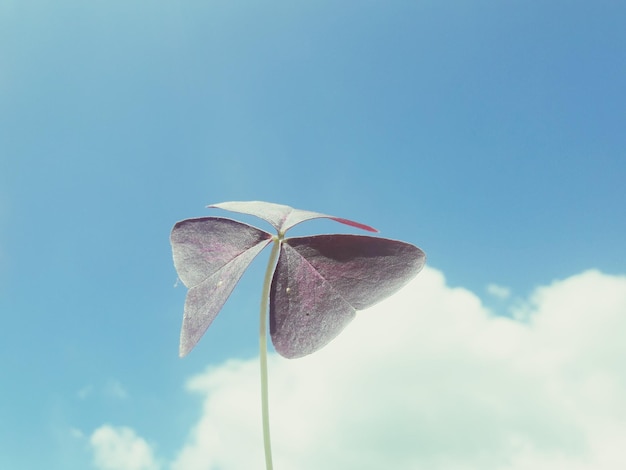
(318, 284)
(282, 217)
(210, 255)
(321, 281)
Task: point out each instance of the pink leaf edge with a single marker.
(283, 217)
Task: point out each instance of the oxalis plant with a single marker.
(314, 285)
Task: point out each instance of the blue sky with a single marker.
(490, 134)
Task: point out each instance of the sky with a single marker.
(489, 134)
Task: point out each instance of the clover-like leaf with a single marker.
(318, 282)
(211, 254)
(321, 281)
(282, 217)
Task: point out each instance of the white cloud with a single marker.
(111, 389)
(84, 392)
(119, 448)
(76, 433)
(115, 389)
(498, 291)
(429, 380)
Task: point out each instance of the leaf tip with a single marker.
(352, 223)
(184, 349)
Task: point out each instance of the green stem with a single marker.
(263, 351)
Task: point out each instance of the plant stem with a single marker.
(263, 351)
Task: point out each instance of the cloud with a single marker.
(500, 292)
(114, 389)
(111, 389)
(85, 392)
(76, 433)
(121, 449)
(430, 380)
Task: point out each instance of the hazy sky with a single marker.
(490, 134)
